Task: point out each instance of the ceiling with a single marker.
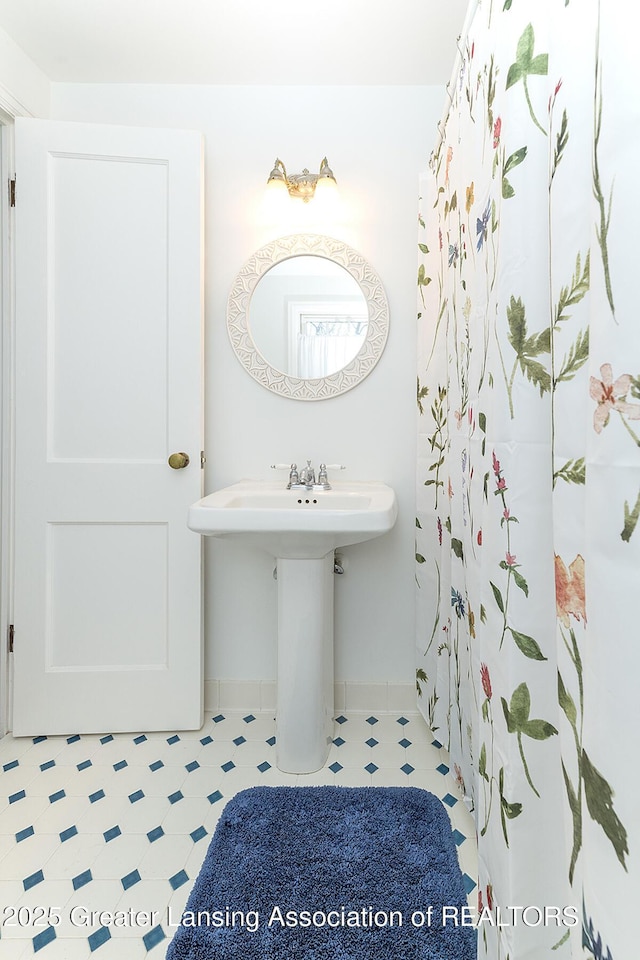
(238, 41)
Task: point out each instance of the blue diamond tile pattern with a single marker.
(98, 938)
(130, 879)
(82, 879)
(43, 938)
(153, 938)
(178, 879)
(469, 884)
(81, 798)
(33, 879)
(458, 838)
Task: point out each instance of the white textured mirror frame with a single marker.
(239, 329)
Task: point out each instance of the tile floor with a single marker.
(123, 822)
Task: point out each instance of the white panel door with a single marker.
(107, 607)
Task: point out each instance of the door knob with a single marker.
(178, 460)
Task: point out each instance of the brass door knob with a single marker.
(178, 460)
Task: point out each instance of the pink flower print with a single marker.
(479, 537)
(496, 132)
(510, 558)
(490, 896)
(439, 531)
(496, 465)
(506, 513)
(458, 776)
(609, 395)
(486, 680)
(502, 483)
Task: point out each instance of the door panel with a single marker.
(108, 385)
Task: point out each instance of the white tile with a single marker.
(235, 695)
(73, 857)
(119, 857)
(401, 696)
(268, 694)
(58, 816)
(22, 813)
(369, 697)
(166, 857)
(186, 816)
(28, 857)
(102, 815)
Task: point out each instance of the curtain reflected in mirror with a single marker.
(308, 317)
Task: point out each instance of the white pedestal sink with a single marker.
(301, 529)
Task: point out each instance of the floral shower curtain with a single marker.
(528, 480)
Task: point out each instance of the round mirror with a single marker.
(307, 317)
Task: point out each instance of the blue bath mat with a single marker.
(328, 873)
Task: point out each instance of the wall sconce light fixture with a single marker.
(302, 185)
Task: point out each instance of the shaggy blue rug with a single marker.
(328, 873)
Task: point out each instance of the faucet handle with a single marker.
(334, 466)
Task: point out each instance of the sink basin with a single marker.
(296, 524)
(301, 529)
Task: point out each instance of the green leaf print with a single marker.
(527, 65)
(573, 471)
(631, 518)
(577, 356)
(527, 348)
(511, 162)
(562, 138)
(527, 645)
(516, 714)
(575, 291)
(599, 796)
(566, 702)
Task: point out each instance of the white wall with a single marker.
(377, 140)
(24, 89)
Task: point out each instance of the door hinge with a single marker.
(203, 459)
(12, 192)
(10, 633)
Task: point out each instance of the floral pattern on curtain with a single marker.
(528, 473)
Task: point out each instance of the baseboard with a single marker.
(356, 697)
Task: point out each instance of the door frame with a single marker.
(10, 108)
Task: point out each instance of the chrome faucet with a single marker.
(305, 479)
